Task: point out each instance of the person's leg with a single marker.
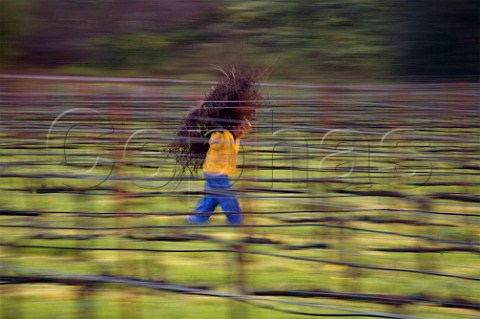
(204, 209)
(229, 202)
(205, 206)
(231, 207)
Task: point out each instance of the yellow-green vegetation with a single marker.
(332, 193)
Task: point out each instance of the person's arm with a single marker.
(216, 140)
(246, 126)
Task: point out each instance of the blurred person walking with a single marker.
(209, 137)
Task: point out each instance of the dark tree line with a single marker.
(423, 38)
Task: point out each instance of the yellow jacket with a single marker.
(221, 158)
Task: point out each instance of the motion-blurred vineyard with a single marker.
(359, 199)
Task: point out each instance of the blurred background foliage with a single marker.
(363, 39)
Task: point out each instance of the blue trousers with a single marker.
(218, 191)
